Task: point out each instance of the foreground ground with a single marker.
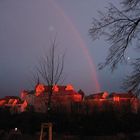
(107, 125)
(120, 136)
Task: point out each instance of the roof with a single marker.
(12, 97)
(122, 95)
(2, 99)
(56, 88)
(101, 95)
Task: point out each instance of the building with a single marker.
(62, 96)
(13, 103)
(119, 101)
(97, 101)
(67, 99)
(125, 101)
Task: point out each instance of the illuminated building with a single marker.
(61, 96)
(67, 99)
(14, 104)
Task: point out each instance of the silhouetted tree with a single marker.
(50, 69)
(132, 81)
(81, 92)
(122, 28)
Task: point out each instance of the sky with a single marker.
(26, 28)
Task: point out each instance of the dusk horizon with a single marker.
(27, 28)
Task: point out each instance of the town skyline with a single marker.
(65, 96)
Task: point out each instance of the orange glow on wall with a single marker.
(25, 104)
(55, 88)
(2, 102)
(77, 98)
(100, 100)
(37, 93)
(40, 88)
(116, 99)
(11, 101)
(69, 87)
(105, 95)
(23, 94)
(15, 102)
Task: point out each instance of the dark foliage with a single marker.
(122, 29)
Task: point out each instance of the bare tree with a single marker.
(121, 29)
(50, 69)
(34, 79)
(132, 82)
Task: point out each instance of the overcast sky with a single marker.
(26, 27)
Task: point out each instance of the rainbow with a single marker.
(80, 42)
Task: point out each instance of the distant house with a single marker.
(2, 102)
(96, 101)
(128, 100)
(98, 96)
(119, 97)
(120, 101)
(12, 100)
(13, 103)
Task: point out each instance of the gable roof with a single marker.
(122, 95)
(12, 97)
(101, 95)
